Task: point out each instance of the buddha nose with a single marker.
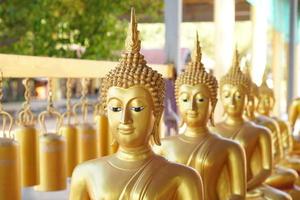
(232, 101)
(126, 117)
(192, 105)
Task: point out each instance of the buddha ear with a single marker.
(155, 130)
(211, 116)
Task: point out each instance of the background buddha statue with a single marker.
(266, 101)
(279, 175)
(133, 95)
(265, 106)
(235, 88)
(294, 114)
(220, 162)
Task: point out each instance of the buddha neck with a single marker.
(198, 131)
(234, 120)
(134, 154)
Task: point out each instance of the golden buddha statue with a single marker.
(266, 101)
(256, 141)
(220, 162)
(281, 178)
(133, 95)
(294, 114)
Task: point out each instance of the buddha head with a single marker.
(235, 87)
(266, 99)
(252, 96)
(196, 91)
(133, 95)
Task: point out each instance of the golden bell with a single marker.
(52, 162)
(102, 132)
(69, 133)
(86, 142)
(10, 183)
(27, 137)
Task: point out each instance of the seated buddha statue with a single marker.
(220, 162)
(294, 114)
(234, 90)
(282, 178)
(133, 95)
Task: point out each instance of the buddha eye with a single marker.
(201, 100)
(184, 100)
(115, 109)
(137, 109)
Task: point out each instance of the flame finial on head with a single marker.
(247, 70)
(235, 76)
(195, 63)
(235, 67)
(197, 54)
(133, 43)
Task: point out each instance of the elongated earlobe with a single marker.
(155, 132)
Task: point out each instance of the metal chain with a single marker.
(50, 95)
(27, 93)
(68, 96)
(5, 115)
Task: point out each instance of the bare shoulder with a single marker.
(91, 166)
(182, 171)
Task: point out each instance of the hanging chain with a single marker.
(26, 116)
(50, 105)
(68, 96)
(27, 94)
(5, 115)
(69, 111)
(99, 110)
(51, 111)
(83, 101)
(1, 91)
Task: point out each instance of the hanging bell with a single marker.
(10, 180)
(68, 131)
(102, 133)
(52, 152)
(52, 162)
(10, 183)
(27, 136)
(87, 147)
(86, 142)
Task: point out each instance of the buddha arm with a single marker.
(237, 171)
(79, 189)
(293, 113)
(265, 146)
(190, 187)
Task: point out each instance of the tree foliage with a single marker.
(54, 27)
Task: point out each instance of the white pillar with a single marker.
(292, 79)
(224, 18)
(173, 18)
(259, 40)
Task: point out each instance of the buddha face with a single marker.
(193, 104)
(233, 100)
(130, 115)
(264, 105)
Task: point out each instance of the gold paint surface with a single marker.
(70, 134)
(10, 182)
(52, 162)
(86, 142)
(27, 136)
